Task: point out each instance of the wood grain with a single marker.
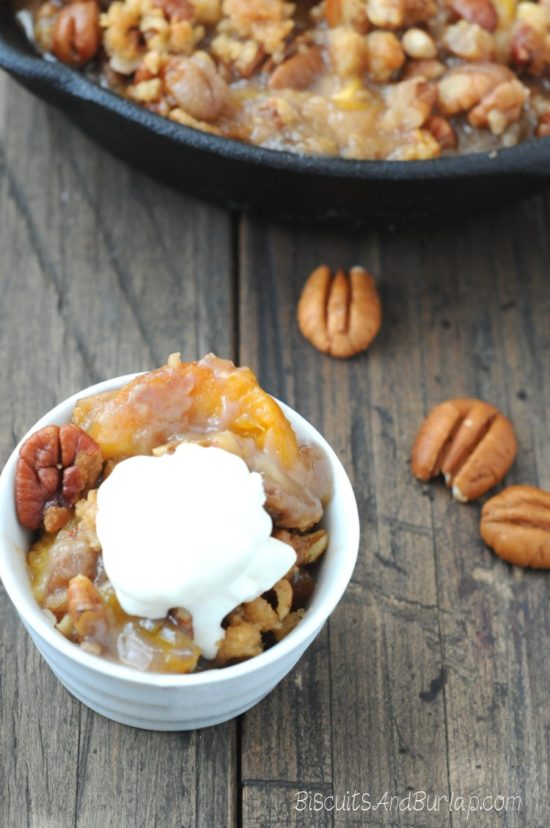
(102, 274)
(432, 673)
(431, 655)
(383, 639)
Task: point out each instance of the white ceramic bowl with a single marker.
(176, 702)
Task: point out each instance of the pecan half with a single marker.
(468, 441)
(55, 466)
(76, 34)
(463, 87)
(340, 315)
(516, 525)
(394, 14)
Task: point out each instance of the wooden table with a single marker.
(433, 672)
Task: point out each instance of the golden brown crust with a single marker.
(468, 441)
(516, 525)
(340, 315)
(242, 640)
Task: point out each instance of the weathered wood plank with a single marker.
(103, 272)
(383, 650)
(287, 737)
(436, 653)
(490, 338)
(38, 770)
(270, 806)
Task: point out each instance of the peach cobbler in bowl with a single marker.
(176, 520)
(360, 79)
(156, 528)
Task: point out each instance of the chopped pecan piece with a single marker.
(283, 591)
(237, 58)
(267, 22)
(292, 619)
(500, 108)
(385, 55)
(86, 609)
(176, 10)
(469, 41)
(308, 548)
(409, 104)
(530, 48)
(56, 466)
(196, 86)
(55, 559)
(468, 441)
(481, 12)
(419, 44)
(266, 614)
(442, 131)
(516, 525)
(395, 14)
(348, 13)
(242, 640)
(416, 145)
(298, 71)
(463, 87)
(183, 619)
(260, 612)
(269, 610)
(348, 51)
(340, 315)
(76, 33)
(427, 69)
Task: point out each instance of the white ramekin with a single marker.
(175, 702)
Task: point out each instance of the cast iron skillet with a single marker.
(277, 184)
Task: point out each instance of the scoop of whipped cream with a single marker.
(188, 529)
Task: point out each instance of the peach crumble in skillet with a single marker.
(364, 79)
(66, 481)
